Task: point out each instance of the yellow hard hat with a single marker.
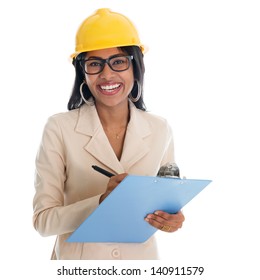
(106, 29)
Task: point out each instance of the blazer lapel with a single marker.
(97, 145)
(100, 148)
(135, 148)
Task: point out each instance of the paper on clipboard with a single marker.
(120, 217)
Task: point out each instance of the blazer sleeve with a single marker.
(50, 215)
(169, 147)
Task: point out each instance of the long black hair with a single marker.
(76, 101)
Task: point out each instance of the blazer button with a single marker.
(115, 253)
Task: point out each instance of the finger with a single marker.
(114, 181)
(157, 218)
(159, 222)
(178, 217)
(154, 222)
(120, 177)
(162, 226)
(168, 222)
(112, 184)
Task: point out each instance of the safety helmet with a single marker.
(106, 29)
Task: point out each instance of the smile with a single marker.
(110, 87)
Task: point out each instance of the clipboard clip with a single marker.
(169, 170)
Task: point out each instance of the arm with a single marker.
(51, 215)
(160, 219)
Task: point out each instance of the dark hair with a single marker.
(76, 101)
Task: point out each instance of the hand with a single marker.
(165, 221)
(112, 184)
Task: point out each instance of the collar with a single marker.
(134, 149)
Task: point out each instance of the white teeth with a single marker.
(110, 87)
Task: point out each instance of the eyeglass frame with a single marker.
(105, 61)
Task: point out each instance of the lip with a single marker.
(109, 89)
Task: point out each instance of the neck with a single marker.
(114, 117)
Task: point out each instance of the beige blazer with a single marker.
(67, 189)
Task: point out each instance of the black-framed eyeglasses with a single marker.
(118, 63)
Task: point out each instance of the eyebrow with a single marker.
(111, 56)
(94, 57)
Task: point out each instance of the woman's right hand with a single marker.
(113, 182)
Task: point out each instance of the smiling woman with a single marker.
(88, 64)
(106, 125)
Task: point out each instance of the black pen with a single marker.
(102, 171)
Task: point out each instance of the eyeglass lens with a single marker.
(118, 63)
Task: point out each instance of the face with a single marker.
(110, 88)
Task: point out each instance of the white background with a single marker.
(202, 74)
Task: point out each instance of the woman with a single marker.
(106, 125)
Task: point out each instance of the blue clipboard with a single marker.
(120, 217)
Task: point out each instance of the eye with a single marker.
(93, 63)
(118, 61)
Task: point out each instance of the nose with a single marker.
(107, 72)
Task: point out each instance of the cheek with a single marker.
(130, 80)
(90, 82)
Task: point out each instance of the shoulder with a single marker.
(146, 123)
(64, 116)
(60, 122)
(154, 121)
(70, 118)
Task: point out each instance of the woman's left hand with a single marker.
(165, 221)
